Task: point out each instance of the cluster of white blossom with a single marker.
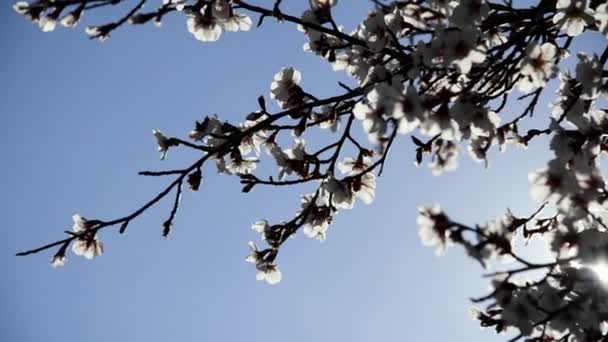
(86, 244)
(445, 69)
(569, 302)
(206, 20)
(209, 21)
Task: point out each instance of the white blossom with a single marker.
(408, 110)
(440, 122)
(203, 25)
(229, 19)
(601, 18)
(445, 157)
(266, 271)
(457, 48)
(373, 31)
(537, 66)
(88, 247)
(260, 226)
(80, 224)
(98, 32)
(350, 166)
(163, 143)
(21, 7)
(433, 230)
(71, 19)
(47, 23)
(242, 166)
(285, 89)
(341, 194)
(589, 73)
(58, 260)
(269, 273)
(318, 216)
(573, 16)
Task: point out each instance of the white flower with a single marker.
(260, 226)
(373, 30)
(80, 224)
(445, 157)
(568, 99)
(341, 194)
(99, 32)
(180, 4)
(350, 166)
(265, 270)
(58, 260)
(288, 160)
(21, 7)
(344, 192)
(440, 122)
(203, 25)
(87, 243)
(329, 118)
(252, 141)
(573, 16)
(353, 60)
(210, 125)
(242, 166)
(88, 246)
(433, 228)
(417, 16)
(285, 89)
(318, 216)
(298, 151)
(479, 120)
(163, 143)
(478, 148)
(494, 36)
(322, 4)
(453, 83)
(316, 231)
(378, 105)
(255, 255)
(601, 18)
(552, 184)
(237, 22)
(538, 66)
(229, 19)
(364, 187)
(269, 273)
(455, 48)
(408, 110)
(589, 73)
(70, 20)
(47, 23)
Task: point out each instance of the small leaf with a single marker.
(254, 116)
(194, 180)
(123, 227)
(167, 228)
(418, 156)
(417, 141)
(248, 187)
(262, 103)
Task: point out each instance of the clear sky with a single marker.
(76, 118)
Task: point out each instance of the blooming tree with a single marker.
(444, 70)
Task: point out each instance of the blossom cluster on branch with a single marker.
(442, 69)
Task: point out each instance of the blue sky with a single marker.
(77, 117)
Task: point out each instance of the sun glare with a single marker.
(601, 269)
